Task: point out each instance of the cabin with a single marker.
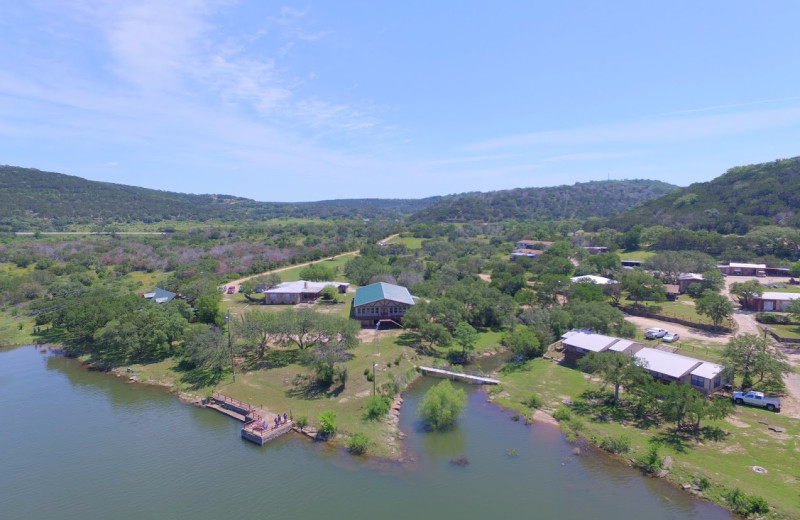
(529, 248)
(599, 280)
(577, 343)
(669, 367)
(381, 303)
(687, 279)
(630, 264)
(300, 291)
(773, 301)
(160, 295)
(594, 250)
(738, 269)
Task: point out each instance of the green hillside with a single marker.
(580, 201)
(743, 197)
(34, 199)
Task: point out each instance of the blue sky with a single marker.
(295, 101)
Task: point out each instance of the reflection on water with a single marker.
(88, 445)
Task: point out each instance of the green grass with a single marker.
(727, 462)
(786, 331)
(680, 308)
(336, 264)
(636, 255)
(410, 242)
(16, 330)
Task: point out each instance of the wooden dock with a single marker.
(458, 376)
(256, 428)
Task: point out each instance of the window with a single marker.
(717, 382)
(698, 381)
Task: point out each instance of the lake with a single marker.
(87, 445)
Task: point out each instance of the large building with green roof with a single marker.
(381, 303)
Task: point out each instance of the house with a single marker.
(577, 343)
(160, 295)
(687, 279)
(662, 365)
(530, 248)
(593, 250)
(381, 302)
(630, 264)
(300, 291)
(773, 301)
(670, 367)
(738, 269)
(599, 280)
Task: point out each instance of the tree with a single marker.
(208, 306)
(714, 305)
(687, 407)
(758, 362)
(207, 347)
(316, 272)
(641, 285)
(257, 328)
(328, 293)
(523, 342)
(466, 336)
(615, 368)
(746, 291)
(586, 291)
(327, 423)
(435, 334)
(441, 405)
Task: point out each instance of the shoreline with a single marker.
(392, 419)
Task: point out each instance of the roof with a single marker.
(690, 276)
(748, 266)
(302, 286)
(588, 340)
(621, 345)
(160, 295)
(673, 365)
(532, 242)
(599, 280)
(708, 370)
(382, 291)
(780, 296)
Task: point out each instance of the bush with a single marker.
(746, 505)
(562, 413)
(358, 444)
(534, 401)
(375, 407)
(441, 405)
(617, 445)
(703, 483)
(302, 422)
(327, 423)
(772, 318)
(650, 461)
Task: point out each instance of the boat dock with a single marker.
(259, 428)
(459, 376)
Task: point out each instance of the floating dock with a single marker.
(459, 376)
(256, 428)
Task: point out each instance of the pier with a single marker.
(259, 428)
(459, 376)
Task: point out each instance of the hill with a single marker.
(580, 201)
(34, 199)
(743, 197)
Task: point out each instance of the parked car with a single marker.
(669, 337)
(231, 289)
(655, 333)
(755, 398)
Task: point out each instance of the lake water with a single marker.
(85, 445)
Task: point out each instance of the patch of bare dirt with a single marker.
(685, 332)
(736, 422)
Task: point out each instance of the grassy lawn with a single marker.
(745, 439)
(16, 330)
(636, 255)
(786, 331)
(410, 242)
(336, 265)
(682, 308)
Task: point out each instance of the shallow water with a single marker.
(80, 444)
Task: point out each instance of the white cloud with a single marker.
(652, 130)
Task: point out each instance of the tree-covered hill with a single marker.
(580, 201)
(34, 199)
(743, 197)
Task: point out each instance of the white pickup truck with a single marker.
(773, 404)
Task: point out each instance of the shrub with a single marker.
(746, 505)
(358, 444)
(327, 421)
(703, 483)
(772, 318)
(534, 401)
(302, 422)
(562, 413)
(617, 445)
(375, 407)
(441, 405)
(650, 461)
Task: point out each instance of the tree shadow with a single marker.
(407, 339)
(197, 377)
(713, 433)
(674, 438)
(274, 358)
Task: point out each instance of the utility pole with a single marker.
(230, 344)
(373, 377)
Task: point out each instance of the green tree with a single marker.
(441, 405)
(746, 291)
(714, 305)
(615, 368)
(523, 342)
(435, 334)
(208, 308)
(641, 285)
(316, 272)
(207, 347)
(466, 336)
(756, 361)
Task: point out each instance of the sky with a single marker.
(318, 100)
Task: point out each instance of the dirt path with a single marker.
(236, 283)
(683, 331)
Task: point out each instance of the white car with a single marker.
(655, 333)
(669, 337)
